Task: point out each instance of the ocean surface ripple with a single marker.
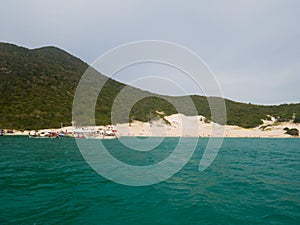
(252, 181)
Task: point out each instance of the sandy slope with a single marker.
(181, 125)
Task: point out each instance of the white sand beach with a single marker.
(179, 125)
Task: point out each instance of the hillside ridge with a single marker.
(37, 88)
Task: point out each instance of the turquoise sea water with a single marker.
(251, 181)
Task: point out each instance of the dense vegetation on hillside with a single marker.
(37, 89)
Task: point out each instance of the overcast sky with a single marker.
(253, 47)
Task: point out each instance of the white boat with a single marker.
(46, 135)
(42, 135)
(91, 133)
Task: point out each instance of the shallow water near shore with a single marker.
(251, 181)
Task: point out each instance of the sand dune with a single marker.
(181, 125)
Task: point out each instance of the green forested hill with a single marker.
(37, 86)
(37, 89)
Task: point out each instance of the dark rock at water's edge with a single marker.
(292, 131)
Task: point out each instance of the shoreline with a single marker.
(183, 126)
(287, 137)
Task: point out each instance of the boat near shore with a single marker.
(46, 135)
(78, 132)
(91, 133)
